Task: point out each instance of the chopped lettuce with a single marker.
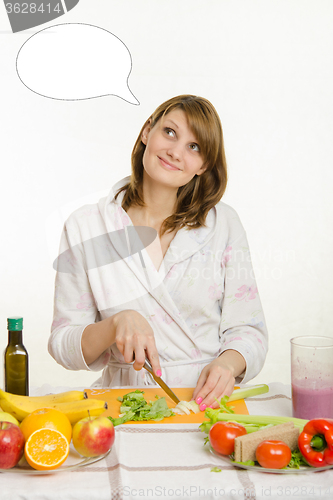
(297, 460)
(215, 469)
(134, 407)
(248, 462)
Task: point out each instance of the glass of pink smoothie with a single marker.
(312, 377)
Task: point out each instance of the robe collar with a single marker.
(186, 241)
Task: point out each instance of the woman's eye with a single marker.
(169, 132)
(195, 147)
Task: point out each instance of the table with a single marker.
(170, 462)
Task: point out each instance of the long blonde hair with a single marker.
(197, 197)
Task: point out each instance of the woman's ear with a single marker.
(202, 169)
(145, 132)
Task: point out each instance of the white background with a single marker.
(266, 65)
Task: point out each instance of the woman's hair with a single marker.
(197, 197)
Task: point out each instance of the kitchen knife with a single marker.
(160, 382)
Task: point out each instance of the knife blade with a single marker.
(160, 382)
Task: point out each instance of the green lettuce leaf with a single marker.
(297, 460)
(135, 408)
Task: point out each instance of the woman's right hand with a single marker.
(135, 340)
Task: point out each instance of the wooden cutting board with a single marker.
(183, 393)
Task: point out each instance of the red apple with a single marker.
(93, 436)
(11, 445)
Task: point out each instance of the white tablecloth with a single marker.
(170, 462)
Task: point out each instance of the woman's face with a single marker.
(172, 155)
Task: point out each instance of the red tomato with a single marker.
(222, 436)
(273, 454)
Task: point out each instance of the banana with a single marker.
(21, 406)
(82, 409)
(61, 397)
(9, 407)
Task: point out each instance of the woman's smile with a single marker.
(167, 164)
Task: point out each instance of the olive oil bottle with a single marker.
(16, 359)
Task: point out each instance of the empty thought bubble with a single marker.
(75, 61)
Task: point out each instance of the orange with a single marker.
(46, 449)
(46, 418)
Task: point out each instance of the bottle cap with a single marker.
(15, 323)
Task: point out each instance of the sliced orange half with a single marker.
(46, 449)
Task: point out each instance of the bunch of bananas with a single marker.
(73, 403)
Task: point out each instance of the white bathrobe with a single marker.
(202, 301)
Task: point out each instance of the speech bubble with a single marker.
(74, 62)
(23, 15)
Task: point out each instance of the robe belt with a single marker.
(165, 364)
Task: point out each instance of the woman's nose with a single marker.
(175, 152)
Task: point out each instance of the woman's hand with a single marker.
(135, 340)
(217, 379)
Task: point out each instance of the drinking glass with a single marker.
(312, 377)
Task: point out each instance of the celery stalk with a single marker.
(248, 392)
(217, 415)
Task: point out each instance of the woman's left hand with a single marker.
(217, 379)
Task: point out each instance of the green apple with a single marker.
(7, 417)
(93, 436)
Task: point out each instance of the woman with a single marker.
(188, 301)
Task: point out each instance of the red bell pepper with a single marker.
(316, 442)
